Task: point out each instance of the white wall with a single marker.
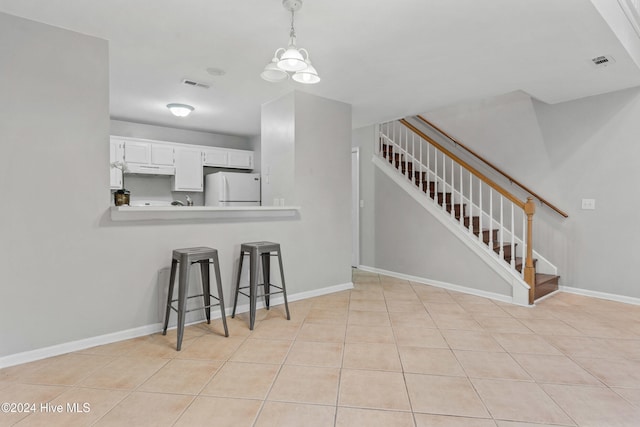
(68, 271)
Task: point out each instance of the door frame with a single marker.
(355, 204)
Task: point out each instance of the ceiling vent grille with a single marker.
(602, 61)
(195, 84)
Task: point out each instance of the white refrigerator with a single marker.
(232, 189)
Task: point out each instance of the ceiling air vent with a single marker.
(602, 61)
(195, 84)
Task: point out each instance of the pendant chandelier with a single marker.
(292, 60)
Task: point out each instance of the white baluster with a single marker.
(428, 164)
(453, 194)
(471, 201)
(435, 170)
(481, 211)
(523, 250)
(513, 237)
(444, 182)
(462, 193)
(420, 163)
(490, 217)
(501, 229)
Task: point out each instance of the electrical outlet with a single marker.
(589, 204)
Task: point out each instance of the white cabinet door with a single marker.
(115, 155)
(137, 152)
(240, 159)
(161, 155)
(189, 170)
(215, 157)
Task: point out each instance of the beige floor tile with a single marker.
(280, 414)
(629, 349)
(19, 372)
(485, 310)
(631, 395)
(367, 294)
(315, 354)
(211, 347)
(86, 407)
(442, 308)
(159, 346)
(262, 351)
(503, 324)
(470, 340)
(538, 311)
(368, 305)
(519, 424)
(519, 401)
(146, 409)
(242, 380)
(403, 294)
(220, 412)
(68, 369)
(366, 318)
(444, 395)
(414, 319)
(26, 393)
(319, 332)
(400, 306)
(431, 297)
(237, 327)
(276, 329)
(119, 348)
(298, 311)
(370, 334)
(525, 343)
(332, 304)
(350, 417)
(181, 376)
(456, 321)
(555, 369)
(425, 420)
(583, 347)
(613, 372)
(326, 316)
(124, 373)
(306, 384)
(550, 327)
(419, 337)
(594, 406)
(373, 389)
(479, 364)
(434, 361)
(383, 357)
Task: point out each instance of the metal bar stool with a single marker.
(264, 251)
(187, 257)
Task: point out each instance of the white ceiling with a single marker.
(388, 58)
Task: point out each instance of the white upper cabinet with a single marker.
(137, 152)
(240, 159)
(189, 172)
(215, 157)
(115, 155)
(162, 155)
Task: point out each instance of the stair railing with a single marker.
(492, 166)
(498, 219)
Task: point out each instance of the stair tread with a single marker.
(542, 278)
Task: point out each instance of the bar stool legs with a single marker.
(260, 251)
(186, 257)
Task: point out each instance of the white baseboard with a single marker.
(601, 295)
(56, 350)
(439, 284)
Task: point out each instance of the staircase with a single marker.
(488, 214)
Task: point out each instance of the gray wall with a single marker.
(68, 271)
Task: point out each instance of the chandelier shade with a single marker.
(292, 59)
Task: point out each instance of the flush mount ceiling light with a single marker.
(292, 60)
(180, 110)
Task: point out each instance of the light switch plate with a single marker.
(589, 204)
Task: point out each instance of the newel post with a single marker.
(529, 270)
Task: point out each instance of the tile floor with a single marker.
(388, 353)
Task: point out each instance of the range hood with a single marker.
(133, 168)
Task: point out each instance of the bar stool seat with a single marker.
(264, 251)
(186, 257)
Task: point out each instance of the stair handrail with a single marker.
(528, 206)
(494, 167)
(466, 165)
